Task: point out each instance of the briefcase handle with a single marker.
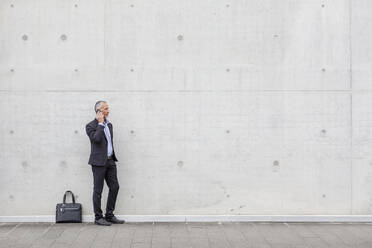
(72, 195)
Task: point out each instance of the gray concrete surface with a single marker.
(219, 107)
(187, 235)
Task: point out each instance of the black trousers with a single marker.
(100, 174)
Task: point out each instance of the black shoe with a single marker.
(102, 222)
(115, 220)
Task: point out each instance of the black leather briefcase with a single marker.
(68, 212)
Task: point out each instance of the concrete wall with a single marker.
(219, 107)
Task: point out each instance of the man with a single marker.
(102, 159)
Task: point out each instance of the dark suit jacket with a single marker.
(98, 143)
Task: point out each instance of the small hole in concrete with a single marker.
(131, 5)
(76, 5)
(24, 163)
(11, 197)
(132, 70)
(180, 37)
(11, 5)
(132, 196)
(76, 70)
(276, 163)
(11, 70)
(227, 69)
(227, 131)
(63, 37)
(227, 196)
(11, 131)
(131, 131)
(323, 69)
(25, 37)
(324, 131)
(275, 36)
(323, 5)
(76, 131)
(179, 163)
(324, 195)
(227, 5)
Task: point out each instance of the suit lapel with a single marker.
(110, 128)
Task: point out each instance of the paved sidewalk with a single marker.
(198, 235)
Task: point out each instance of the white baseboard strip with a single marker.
(205, 218)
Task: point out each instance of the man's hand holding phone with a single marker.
(100, 116)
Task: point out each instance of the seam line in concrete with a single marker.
(351, 106)
(179, 91)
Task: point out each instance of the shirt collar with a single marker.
(106, 121)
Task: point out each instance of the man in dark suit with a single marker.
(102, 159)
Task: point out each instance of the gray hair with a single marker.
(98, 105)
